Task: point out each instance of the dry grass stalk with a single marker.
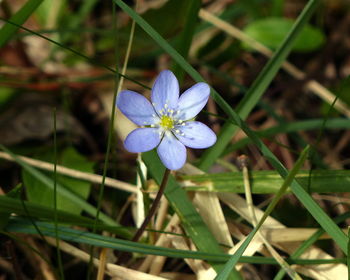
(93, 178)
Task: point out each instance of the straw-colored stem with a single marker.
(93, 178)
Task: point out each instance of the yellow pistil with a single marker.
(166, 122)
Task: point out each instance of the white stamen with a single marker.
(165, 105)
(152, 125)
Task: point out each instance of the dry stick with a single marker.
(311, 85)
(93, 178)
(243, 162)
(102, 264)
(150, 214)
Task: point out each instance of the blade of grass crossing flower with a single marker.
(235, 257)
(258, 87)
(179, 201)
(66, 193)
(331, 228)
(8, 30)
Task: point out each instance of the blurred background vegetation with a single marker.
(59, 65)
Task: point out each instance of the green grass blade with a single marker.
(73, 235)
(259, 86)
(8, 30)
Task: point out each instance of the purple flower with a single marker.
(167, 122)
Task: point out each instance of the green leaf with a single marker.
(38, 191)
(8, 30)
(61, 190)
(264, 182)
(272, 30)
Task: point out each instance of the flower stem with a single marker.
(152, 211)
(154, 207)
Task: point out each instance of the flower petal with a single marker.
(196, 135)
(171, 152)
(192, 101)
(142, 140)
(165, 91)
(136, 107)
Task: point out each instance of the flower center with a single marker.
(166, 122)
